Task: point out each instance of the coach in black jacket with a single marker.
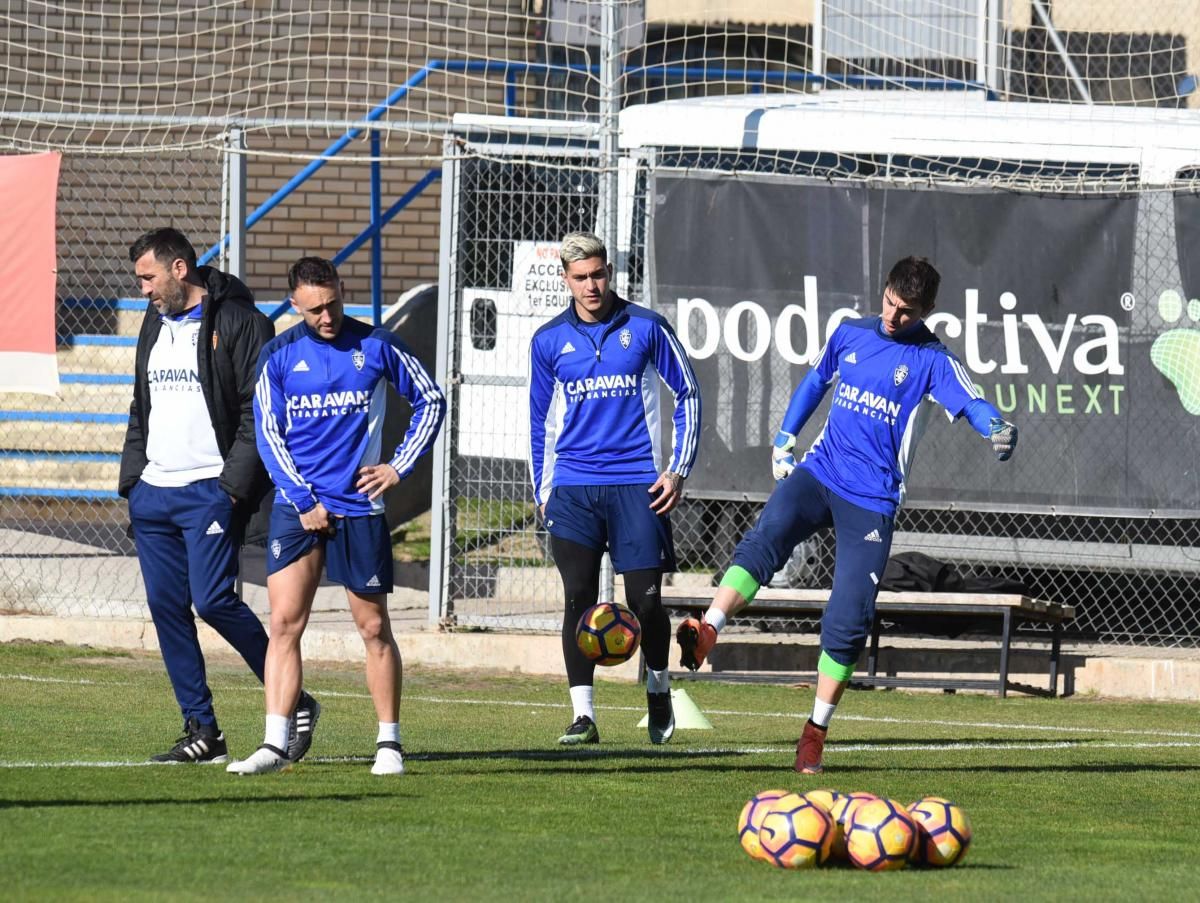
(232, 331)
(192, 474)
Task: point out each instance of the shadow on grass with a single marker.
(196, 801)
(1130, 768)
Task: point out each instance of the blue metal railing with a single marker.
(757, 79)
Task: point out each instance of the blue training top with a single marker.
(318, 412)
(593, 400)
(865, 450)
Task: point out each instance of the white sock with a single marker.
(278, 728)
(389, 732)
(716, 618)
(658, 681)
(822, 712)
(581, 701)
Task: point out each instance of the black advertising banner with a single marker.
(1038, 300)
(1187, 241)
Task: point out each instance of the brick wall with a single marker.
(267, 59)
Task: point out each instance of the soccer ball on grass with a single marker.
(796, 834)
(880, 836)
(751, 820)
(943, 832)
(843, 807)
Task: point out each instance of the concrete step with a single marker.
(84, 398)
(100, 359)
(63, 435)
(92, 472)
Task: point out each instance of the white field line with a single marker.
(675, 753)
(867, 719)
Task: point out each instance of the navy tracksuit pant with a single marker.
(799, 506)
(187, 545)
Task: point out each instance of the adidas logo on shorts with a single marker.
(214, 529)
(374, 581)
(873, 536)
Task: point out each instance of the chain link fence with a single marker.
(64, 548)
(1131, 578)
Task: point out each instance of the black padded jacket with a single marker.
(232, 333)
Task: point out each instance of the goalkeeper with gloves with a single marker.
(852, 478)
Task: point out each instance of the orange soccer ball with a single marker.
(943, 832)
(796, 834)
(608, 633)
(751, 820)
(881, 836)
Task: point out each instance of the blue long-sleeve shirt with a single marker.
(593, 400)
(865, 449)
(318, 413)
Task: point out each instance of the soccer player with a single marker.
(596, 464)
(852, 477)
(192, 475)
(318, 411)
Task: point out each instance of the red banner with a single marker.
(28, 270)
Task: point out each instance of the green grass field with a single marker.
(1070, 799)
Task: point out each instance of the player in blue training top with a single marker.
(318, 412)
(596, 463)
(851, 478)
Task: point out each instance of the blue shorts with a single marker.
(358, 555)
(614, 517)
(799, 507)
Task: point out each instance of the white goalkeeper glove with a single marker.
(783, 462)
(1004, 438)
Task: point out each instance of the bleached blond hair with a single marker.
(581, 246)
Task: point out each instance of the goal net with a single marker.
(135, 74)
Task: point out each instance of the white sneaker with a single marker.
(389, 758)
(263, 760)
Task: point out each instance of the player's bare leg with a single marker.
(385, 675)
(384, 666)
(290, 592)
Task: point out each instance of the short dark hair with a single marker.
(915, 281)
(168, 246)
(312, 271)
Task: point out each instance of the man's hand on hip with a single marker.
(375, 480)
(669, 489)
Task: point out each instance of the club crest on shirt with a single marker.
(358, 358)
(901, 374)
(276, 548)
(626, 337)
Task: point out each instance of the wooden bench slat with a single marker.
(803, 600)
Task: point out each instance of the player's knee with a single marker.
(843, 645)
(374, 629)
(286, 626)
(580, 596)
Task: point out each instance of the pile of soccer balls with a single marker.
(804, 830)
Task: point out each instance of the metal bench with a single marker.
(911, 608)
